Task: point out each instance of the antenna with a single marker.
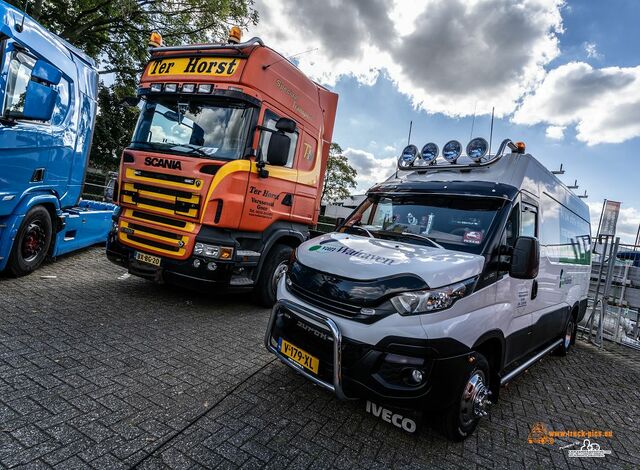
(473, 121)
(20, 27)
(491, 131)
(574, 186)
(409, 138)
(265, 67)
(559, 172)
(583, 196)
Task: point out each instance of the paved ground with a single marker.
(98, 369)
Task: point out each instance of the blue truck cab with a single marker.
(48, 91)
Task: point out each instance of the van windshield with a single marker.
(208, 129)
(454, 222)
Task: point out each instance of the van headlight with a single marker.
(432, 300)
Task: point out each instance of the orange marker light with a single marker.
(521, 147)
(235, 35)
(155, 40)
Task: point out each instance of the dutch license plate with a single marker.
(299, 356)
(149, 259)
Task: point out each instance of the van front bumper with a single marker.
(352, 369)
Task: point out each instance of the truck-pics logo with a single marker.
(345, 250)
(163, 162)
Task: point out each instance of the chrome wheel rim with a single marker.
(475, 398)
(279, 271)
(568, 334)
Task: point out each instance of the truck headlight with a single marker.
(213, 251)
(432, 300)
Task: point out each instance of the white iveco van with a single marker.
(448, 281)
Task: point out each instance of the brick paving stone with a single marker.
(103, 371)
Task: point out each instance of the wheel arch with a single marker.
(285, 237)
(491, 345)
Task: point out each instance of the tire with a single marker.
(568, 338)
(458, 421)
(32, 242)
(265, 289)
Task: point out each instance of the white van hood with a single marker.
(364, 258)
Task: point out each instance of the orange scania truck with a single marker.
(224, 173)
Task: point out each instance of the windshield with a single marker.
(214, 129)
(454, 222)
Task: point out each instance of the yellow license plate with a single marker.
(300, 356)
(149, 259)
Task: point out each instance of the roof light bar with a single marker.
(408, 156)
(452, 151)
(429, 153)
(477, 149)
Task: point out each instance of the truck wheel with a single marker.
(461, 418)
(276, 262)
(568, 338)
(32, 242)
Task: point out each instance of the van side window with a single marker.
(528, 221)
(508, 240)
(18, 78)
(269, 121)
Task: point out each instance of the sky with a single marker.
(563, 76)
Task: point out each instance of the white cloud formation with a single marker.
(628, 221)
(592, 50)
(371, 169)
(446, 55)
(603, 103)
(555, 132)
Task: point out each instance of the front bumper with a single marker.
(177, 272)
(355, 370)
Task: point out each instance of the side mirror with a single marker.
(129, 101)
(525, 260)
(339, 222)
(278, 151)
(286, 125)
(39, 101)
(45, 72)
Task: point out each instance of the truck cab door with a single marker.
(25, 145)
(271, 198)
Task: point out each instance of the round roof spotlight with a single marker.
(451, 151)
(430, 153)
(408, 156)
(477, 149)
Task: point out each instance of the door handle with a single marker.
(534, 289)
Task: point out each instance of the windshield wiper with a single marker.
(412, 235)
(195, 149)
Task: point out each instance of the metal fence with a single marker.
(613, 311)
(98, 185)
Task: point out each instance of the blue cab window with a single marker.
(62, 103)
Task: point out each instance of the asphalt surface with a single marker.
(102, 370)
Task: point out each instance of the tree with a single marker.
(116, 34)
(340, 177)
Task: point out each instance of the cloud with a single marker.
(603, 103)
(592, 51)
(371, 170)
(628, 221)
(555, 132)
(445, 55)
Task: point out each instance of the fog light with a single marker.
(196, 263)
(212, 266)
(417, 376)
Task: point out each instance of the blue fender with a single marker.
(10, 225)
